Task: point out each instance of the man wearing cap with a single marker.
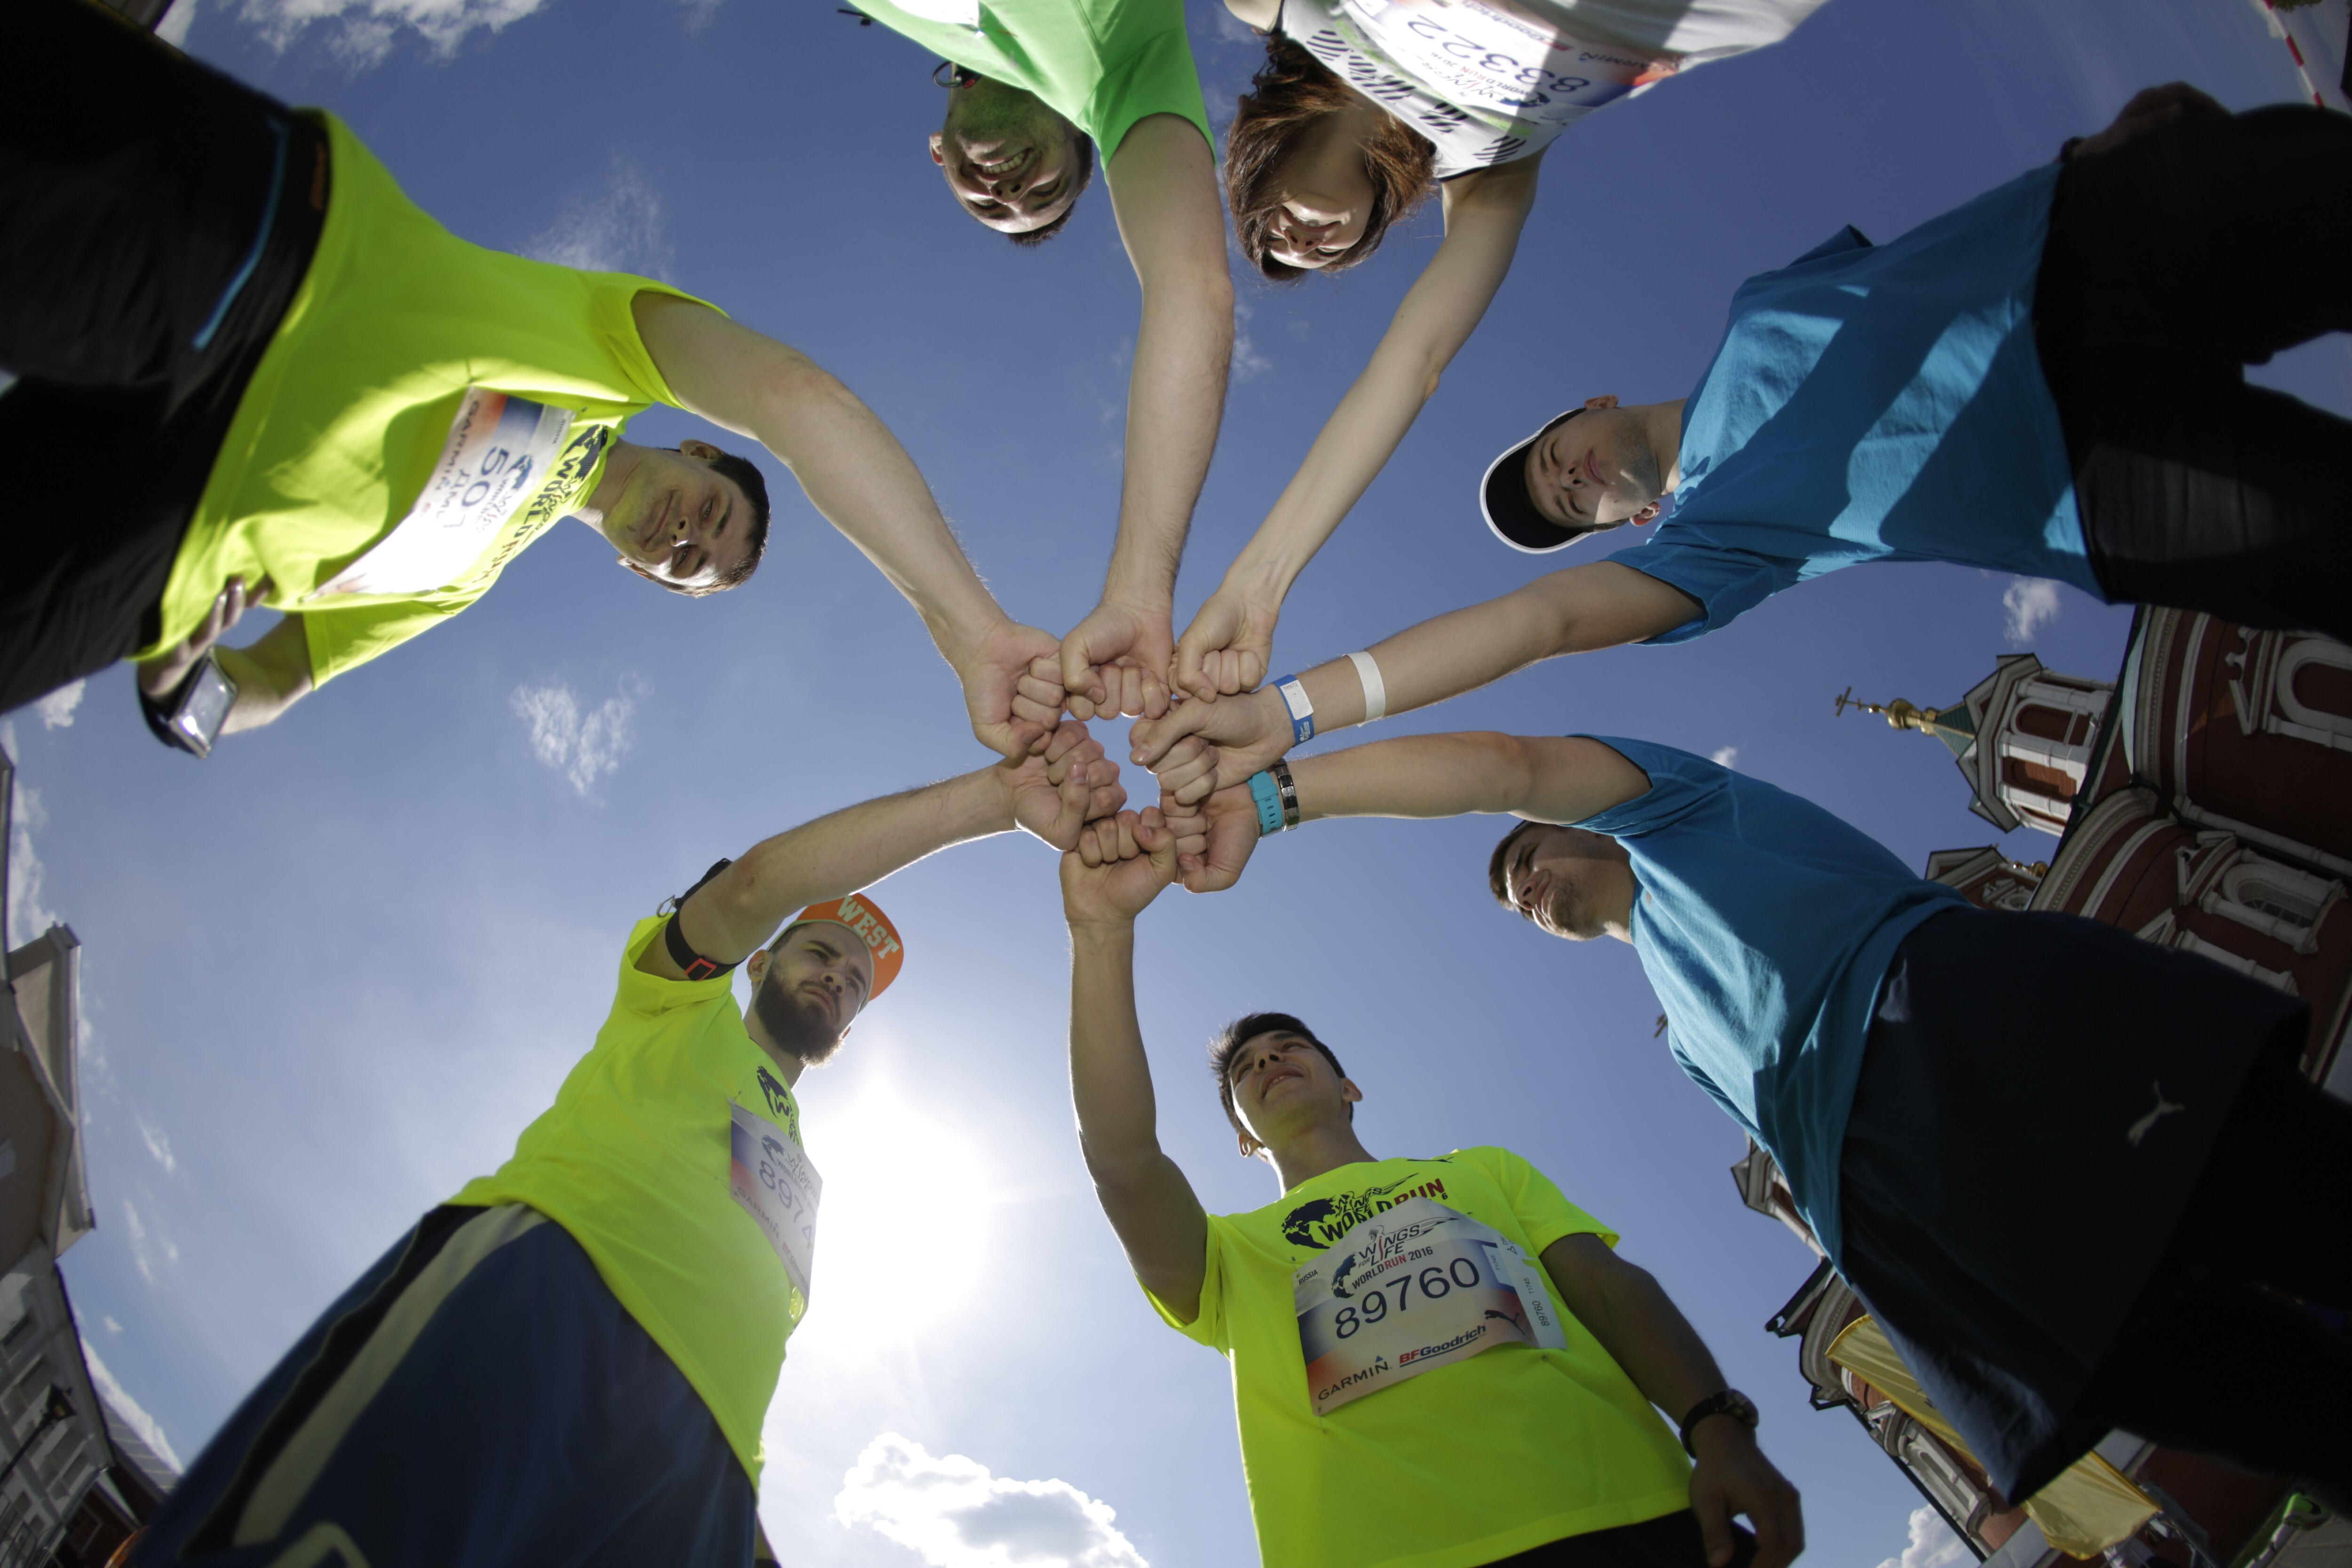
(2047, 381)
(1897, 1049)
(569, 1361)
(1437, 1361)
(1033, 88)
(253, 372)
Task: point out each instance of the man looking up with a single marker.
(568, 1363)
(253, 372)
(1034, 88)
(1439, 1361)
(2048, 381)
(1868, 1026)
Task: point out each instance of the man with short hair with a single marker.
(2058, 1163)
(1034, 88)
(1437, 1361)
(569, 1361)
(2049, 381)
(253, 372)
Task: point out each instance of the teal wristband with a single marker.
(1269, 802)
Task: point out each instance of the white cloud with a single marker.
(145, 1250)
(149, 1429)
(2031, 604)
(582, 747)
(57, 709)
(173, 28)
(28, 913)
(615, 228)
(362, 32)
(1725, 756)
(954, 1514)
(158, 1145)
(112, 1326)
(1932, 1544)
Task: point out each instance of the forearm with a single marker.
(272, 673)
(1483, 217)
(1150, 1203)
(856, 474)
(1453, 653)
(1176, 400)
(838, 854)
(1647, 1335)
(1415, 776)
(854, 470)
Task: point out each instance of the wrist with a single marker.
(963, 639)
(1099, 933)
(1713, 1420)
(1259, 581)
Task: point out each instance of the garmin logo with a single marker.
(1378, 1368)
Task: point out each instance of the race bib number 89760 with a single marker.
(1414, 1287)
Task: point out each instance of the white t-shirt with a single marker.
(1492, 82)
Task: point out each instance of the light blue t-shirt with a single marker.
(1876, 403)
(1765, 925)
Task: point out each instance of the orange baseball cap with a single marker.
(857, 913)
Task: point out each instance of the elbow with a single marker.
(1509, 763)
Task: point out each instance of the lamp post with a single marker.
(57, 1408)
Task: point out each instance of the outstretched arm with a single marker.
(1226, 647)
(1544, 778)
(1051, 795)
(1150, 1203)
(858, 475)
(1596, 606)
(1645, 1335)
(1163, 187)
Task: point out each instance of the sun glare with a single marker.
(897, 1184)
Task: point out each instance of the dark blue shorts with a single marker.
(479, 1397)
(2037, 1103)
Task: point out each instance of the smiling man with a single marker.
(1438, 1361)
(2047, 381)
(569, 1361)
(290, 387)
(1896, 1048)
(1036, 91)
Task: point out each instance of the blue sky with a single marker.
(331, 973)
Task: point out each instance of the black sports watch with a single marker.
(189, 717)
(1732, 1402)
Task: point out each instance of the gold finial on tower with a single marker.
(1900, 715)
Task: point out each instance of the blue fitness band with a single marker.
(1269, 802)
(1302, 711)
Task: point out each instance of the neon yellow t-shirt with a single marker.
(1101, 65)
(351, 404)
(1465, 1463)
(632, 1160)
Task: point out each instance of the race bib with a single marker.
(1489, 55)
(777, 1186)
(1416, 1287)
(499, 449)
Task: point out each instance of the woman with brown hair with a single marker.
(1361, 110)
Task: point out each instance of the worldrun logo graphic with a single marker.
(1319, 1222)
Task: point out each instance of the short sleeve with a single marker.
(1208, 1328)
(342, 639)
(1727, 582)
(650, 995)
(1542, 1210)
(1159, 78)
(1680, 783)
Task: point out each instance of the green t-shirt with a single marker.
(352, 405)
(1465, 1463)
(633, 1159)
(1100, 64)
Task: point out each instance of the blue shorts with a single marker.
(479, 1397)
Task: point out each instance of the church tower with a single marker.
(2023, 738)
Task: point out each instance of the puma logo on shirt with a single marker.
(2164, 1107)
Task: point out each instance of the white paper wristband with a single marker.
(1376, 690)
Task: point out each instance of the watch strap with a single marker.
(1728, 1402)
(681, 951)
